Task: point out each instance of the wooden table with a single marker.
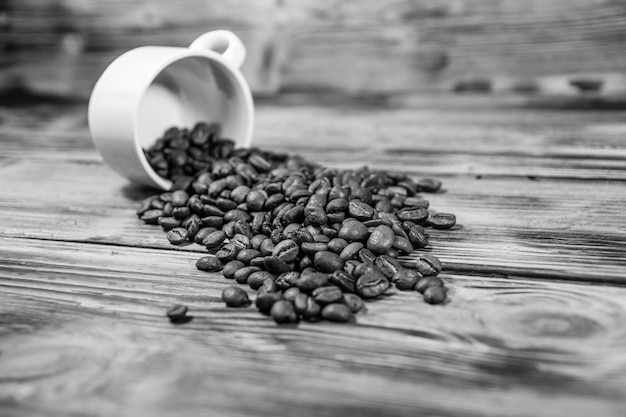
(535, 266)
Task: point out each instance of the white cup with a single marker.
(151, 88)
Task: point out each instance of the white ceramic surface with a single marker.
(151, 88)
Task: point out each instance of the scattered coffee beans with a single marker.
(312, 241)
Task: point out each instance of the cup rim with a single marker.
(231, 71)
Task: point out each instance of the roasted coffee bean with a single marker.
(321, 239)
(417, 238)
(257, 278)
(177, 313)
(351, 251)
(416, 202)
(268, 285)
(311, 281)
(179, 198)
(361, 210)
(326, 261)
(242, 274)
(429, 185)
(181, 213)
(247, 255)
(312, 311)
(231, 267)
(428, 264)
(388, 265)
(276, 265)
(350, 265)
(305, 262)
(427, 282)
(354, 302)
(266, 247)
(300, 303)
(287, 280)
(441, 220)
(337, 245)
(256, 241)
(211, 210)
(240, 241)
(209, 264)
(203, 233)
(314, 215)
(243, 228)
(406, 279)
(353, 231)
(403, 245)
(256, 200)
(371, 284)
(152, 216)
(286, 251)
(381, 240)
(273, 201)
(282, 311)
(342, 279)
(227, 253)
(413, 214)
(264, 302)
(290, 294)
(214, 239)
(311, 248)
(239, 194)
(327, 294)
(366, 255)
(168, 223)
(177, 235)
(235, 296)
(337, 312)
(435, 295)
(236, 214)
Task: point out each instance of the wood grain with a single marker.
(87, 326)
(390, 46)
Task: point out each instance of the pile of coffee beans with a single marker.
(313, 242)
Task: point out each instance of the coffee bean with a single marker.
(360, 210)
(441, 220)
(287, 280)
(177, 313)
(342, 279)
(168, 223)
(311, 248)
(258, 277)
(152, 216)
(351, 251)
(402, 245)
(282, 311)
(366, 255)
(235, 296)
(428, 264)
(413, 214)
(371, 284)
(311, 281)
(337, 245)
(327, 294)
(337, 312)
(242, 274)
(230, 268)
(405, 279)
(177, 236)
(429, 185)
(247, 255)
(381, 240)
(264, 302)
(312, 311)
(227, 253)
(435, 295)
(286, 251)
(179, 198)
(214, 239)
(276, 265)
(353, 231)
(256, 200)
(326, 261)
(388, 265)
(417, 238)
(427, 282)
(209, 264)
(354, 302)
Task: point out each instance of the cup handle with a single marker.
(223, 42)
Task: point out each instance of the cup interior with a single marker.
(190, 90)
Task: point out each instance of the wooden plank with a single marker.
(570, 230)
(354, 47)
(85, 323)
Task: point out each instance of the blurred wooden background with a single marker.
(354, 48)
